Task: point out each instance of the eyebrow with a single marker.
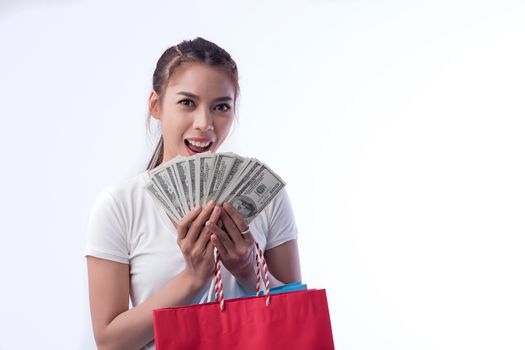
(189, 94)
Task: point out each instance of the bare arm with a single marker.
(115, 326)
(283, 266)
(283, 261)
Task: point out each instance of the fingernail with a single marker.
(210, 203)
(196, 209)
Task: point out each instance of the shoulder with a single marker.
(132, 185)
(110, 222)
(112, 211)
(118, 198)
(279, 205)
(125, 191)
(277, 220)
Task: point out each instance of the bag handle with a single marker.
(261, 270)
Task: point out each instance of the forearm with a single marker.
(282, 260)
(133, 328)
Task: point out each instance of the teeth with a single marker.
(199, 144)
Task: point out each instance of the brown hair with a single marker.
(197, 50)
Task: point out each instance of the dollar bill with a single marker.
(163, 180)
(190, 165)
(172, 176)
(241, 181)
(205, 163)
(183, 181)
(222, 165)
(245, 165)
(235, 168)
(159, 198)
(256, 193)
(232, 178)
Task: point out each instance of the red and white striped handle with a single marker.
(261, 272)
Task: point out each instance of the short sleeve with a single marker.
(281, 227)
(106, 230)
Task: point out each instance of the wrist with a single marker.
(247, 278)
(194, 283)
(244, 271)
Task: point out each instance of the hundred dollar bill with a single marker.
(246, 166)
(156, 195)
(238, 168)
(235, 168)
(190, 165)
(162, 179)
(184, 183)
(204, 163)
(241, 180)
(172, 176)
(222, 165)
(255, 194)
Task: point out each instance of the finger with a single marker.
(197, 224)
(215, 215)
(236, 217)
(202, 241)
(216, 242)
(183, 225)
(223, 227)
(203, 237)
(202, 231)
(208, 253)
(222, 237)
(231, 228)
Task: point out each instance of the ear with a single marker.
(154, 104)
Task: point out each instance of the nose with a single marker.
(203, 121)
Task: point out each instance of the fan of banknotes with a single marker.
(186, 182)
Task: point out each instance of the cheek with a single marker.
(222, 127)
(173, 127)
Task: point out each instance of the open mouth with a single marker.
(196, 146)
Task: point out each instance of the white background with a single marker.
(398, 126)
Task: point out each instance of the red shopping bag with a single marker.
(291, 320)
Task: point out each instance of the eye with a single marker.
(224, 107)
(186, 102)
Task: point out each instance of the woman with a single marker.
(135, 251)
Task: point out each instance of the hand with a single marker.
(194, 241)
(236, 249)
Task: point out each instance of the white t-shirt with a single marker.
(126, 225)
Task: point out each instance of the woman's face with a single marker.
(197, 110)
